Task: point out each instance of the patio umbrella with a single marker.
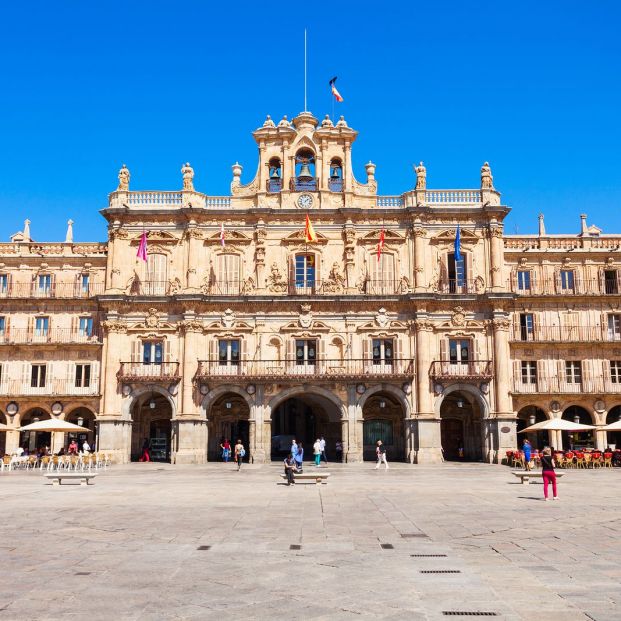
(52, 425)
(557, 424)
(616, 426)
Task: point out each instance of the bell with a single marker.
(305, 172)
(274, 174)
(334, 175)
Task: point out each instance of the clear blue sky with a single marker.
(533, 87)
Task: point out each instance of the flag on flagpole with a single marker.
(336, 94)
(222, 234)
(457, 245)
(142, 247)
(309, 231)
(380, 246)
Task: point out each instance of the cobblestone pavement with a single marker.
(152, 541)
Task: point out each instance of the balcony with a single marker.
(166, 200)
(303, 185)
(53, 387)
(560, 334)
(468, 370)
(460, 287)
(335, 185)
(555, 287)
(327, 287)
(292, 370)
(273, 186)
(58, 290)
(453, 197)
(554, 384)
(141, 372)
(24, 336)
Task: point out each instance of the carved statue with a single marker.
(275, 282)
(188, 177)
(248, 286)
(404, 284)
(421, 177)
(335, 281)
(174, 286)
(487, 181)
(124, 177)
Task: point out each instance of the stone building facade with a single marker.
(237, 326)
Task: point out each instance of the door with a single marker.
(452, 438)
(159, 439)
(459, 356)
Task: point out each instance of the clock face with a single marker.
(305, 201)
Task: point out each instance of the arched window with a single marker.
(382, 279)
(156, 276)
(228, 271)
(305, 171)
(274, 183)
(335, 183)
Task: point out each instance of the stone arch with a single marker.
(391, 390)
(467, 388)
(132, 399)
(295, 391)
(577, 440)
(592, 415)
(213, 395)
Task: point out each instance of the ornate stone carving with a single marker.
(381, 318)
(152, 320)
(188, 177)
(421, 176)
(479, 284)
(419, 231)
(114, 326)
(458, 318)
(124, 177)
(275, 281)
(335, 282)
(496, 231)
(119, 234)
(228, 318)
(194, 233)
(192, 325)
(487, 181)
(248, 286)
(404, 285)
(500, 323)
(306, 317)
(423, 325)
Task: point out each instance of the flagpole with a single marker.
(305, 105)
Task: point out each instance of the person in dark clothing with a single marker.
(548, 473)
(290, 468)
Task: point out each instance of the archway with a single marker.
(85, 418)
(614, 437)
(32, 441)
(152, 423)
(383, 419)
(461, 427)
(2, 435)
(305, 416)
(228, 418)
(578, 440)
(527, 416)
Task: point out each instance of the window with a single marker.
(82, 375)
(614, 327)
(523, 280)
(155, 275)
(304, 271)
(305, 352)
(383, 280)
(4, 283)
(85, 327)
(573, 371)
(228, 352)
(529, 372)
(457, 273)
(611, 284)
(42, 325)
(615, 371)
(2, 325)
(374, 430)
(228, 276)
(567, 280)
(152, 352)
(44, 283)
(37, 376)
(459, 351)
(85, 281)
(383, 351)
(526, 327)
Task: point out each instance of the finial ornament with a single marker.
(26, 234)
(341, 122)
(542, 226)
(188, 177)
(487, 181)
(124, 177)
(284, 122)
(327, 122)
(268, 122)
(421, 176)
(69, 235)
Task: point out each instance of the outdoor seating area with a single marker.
(66, 463)
(586, 458)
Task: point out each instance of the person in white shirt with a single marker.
(86, 447)
(317, 451)
(322, 444)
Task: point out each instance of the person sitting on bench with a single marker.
(290, 468)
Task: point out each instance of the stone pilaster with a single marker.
(419, 234)
(497, 256)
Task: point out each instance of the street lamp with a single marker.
(532, 419)
(382, 403)
(460, 403)
(577, 419)
(80, 421)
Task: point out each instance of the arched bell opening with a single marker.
(305, 178)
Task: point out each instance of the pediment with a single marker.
(161, 237)
(389, 237)
(448, 236)
(230, 237)
(470, 325)
(316, 326)
(239, 326)
(372, 326)
(304, 141)
(299, 237)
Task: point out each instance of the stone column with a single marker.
(267, 437)
(504, 406)
(192, 329)
(419, 234)
(115, 332)
(256, 414)
(195, 238)
(348, 171)
(344, 437)
(497, 256)
(252, 439)
(601, 439)
(409, 425)
(354, 439)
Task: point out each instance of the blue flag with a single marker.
(457, 245)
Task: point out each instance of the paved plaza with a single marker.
(154, 541)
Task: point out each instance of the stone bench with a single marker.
(57, 476)
(526, 475)
(319, 477)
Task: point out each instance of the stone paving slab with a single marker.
(126, 548)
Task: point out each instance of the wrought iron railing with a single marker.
(458, 286)
(469, 369)
(558, 384)
(53, 290)
(335, 185)
(303, 185)
(274, 186)
(141, 372)
(17, 336)
(557, 334)
(54, 387)
(556, 286)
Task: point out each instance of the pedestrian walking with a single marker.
(381, 455)
(225, 447)
(317, 451)
(322, 443)
(145, 451)
(294, 448)
(527, 450)
(339, 451)
(299, 457)
(86, 448)
(240, 453)
(290, 468)
(548, 473)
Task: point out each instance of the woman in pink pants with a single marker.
(548, 474)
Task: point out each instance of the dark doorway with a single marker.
(383, 420)
(228, 419)
(614, 437)
(452, 432)
(32, 441)
(578, 440)
(528, 416)
(460, 428)
(152, 422)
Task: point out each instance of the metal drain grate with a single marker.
(440, 571)
(204, 548)
(295, 546)
(82, 573)
(428, 555)
(387, 546)
(412, 535)
(468, 613)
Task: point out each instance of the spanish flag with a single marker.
(309, 231)
(336, 94)
(380, 246)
